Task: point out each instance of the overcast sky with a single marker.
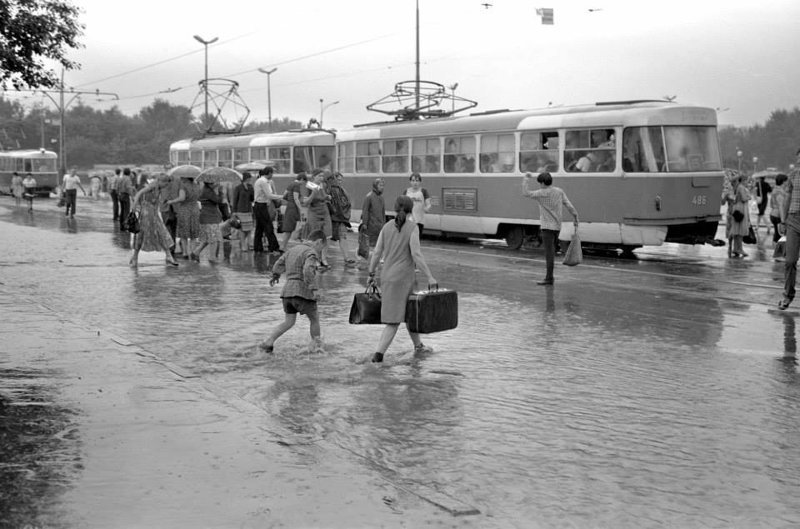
(740, 57)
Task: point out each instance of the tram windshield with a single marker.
(675, 149)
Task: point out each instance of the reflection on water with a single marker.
(39, 451)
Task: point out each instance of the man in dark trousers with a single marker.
(264, 212)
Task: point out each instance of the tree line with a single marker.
(110, 137)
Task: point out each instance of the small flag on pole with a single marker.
(547, 15)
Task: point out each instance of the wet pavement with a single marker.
(660, 391)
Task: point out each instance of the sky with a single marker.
(739, 57)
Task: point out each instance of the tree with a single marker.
(34, 30)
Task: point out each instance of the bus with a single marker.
(289, 152)
(638, 172)
(40, 163)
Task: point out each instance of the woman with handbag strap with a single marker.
(398, 245)
(740, 215)
(153, 235)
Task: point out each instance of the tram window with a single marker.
(395, 156)
(183, 157)
(209, 158)
(538, 151)
(302, 160)
(590, 151)
(459, 154)
(197, 158)
(324, 157)
(497, 153)
(239, 156)
(347, 160)
(367, 156)
(225, 158)
(692, 149)
(425, 156)
(282, 157)
(642, 150)
(258, 154)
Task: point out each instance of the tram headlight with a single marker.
(658, 202)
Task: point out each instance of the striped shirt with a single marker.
(792, 198)
(300, 265)
(552, 201)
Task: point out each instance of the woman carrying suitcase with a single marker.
(398, 246)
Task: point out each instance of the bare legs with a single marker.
(288, 322)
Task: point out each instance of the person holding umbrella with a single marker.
(210, 218)
(153, 236)
(242, 204)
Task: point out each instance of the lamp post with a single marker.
(269, 94)
(205, 43)
(755, 164)
(739, 155)
(322, 109)
(452, 88)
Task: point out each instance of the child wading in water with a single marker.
(299, 294)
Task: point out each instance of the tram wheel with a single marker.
(515, 236)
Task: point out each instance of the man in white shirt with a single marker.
(112, 182)
(71, 184)
(264, 212)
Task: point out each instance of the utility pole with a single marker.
(269, 94)
(205, 43)
(62, 106)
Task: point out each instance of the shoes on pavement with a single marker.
(545, 282)
(350, 262)
(784, 303)
(266, 348)
(377, 358)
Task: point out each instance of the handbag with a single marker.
(751, 237)
(132, 222)
(366, 308)
(574, 253)
(62, 201)
(738, 215)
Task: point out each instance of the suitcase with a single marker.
(432, 311)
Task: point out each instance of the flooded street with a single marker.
(652, 392)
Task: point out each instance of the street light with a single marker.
(269, 95)
(755, 164)
(452, 88)
(205, 83)
(739, 155)
(322, 109)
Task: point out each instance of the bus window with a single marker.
(642, 150)
(395, 156)
(282, 157)
(497, 153)
(324, 157)
(538, 152)
(425, 156)
(692, 149)
(367, 156)
(459, 154)
(590, 151)
(347, 157)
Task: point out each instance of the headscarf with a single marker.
(375, 186)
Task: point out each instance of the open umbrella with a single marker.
(768, 173)
(254, 166)
(218, 175)
(185, 171)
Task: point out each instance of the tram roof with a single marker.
(600, 114)
(258, 139)
(30, 153)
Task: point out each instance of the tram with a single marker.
(638, 172)
(40, 163)
(289, 152)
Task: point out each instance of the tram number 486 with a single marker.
(699, 200)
